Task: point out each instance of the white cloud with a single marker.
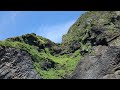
(54, 32)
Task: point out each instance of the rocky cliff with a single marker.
(90, 50)
(91, 29)
(16, 64)
(102, 35)
(103, 66)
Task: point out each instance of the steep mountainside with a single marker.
(92, 29)
(90, 49)
(93, 33)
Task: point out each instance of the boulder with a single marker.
(47, 64)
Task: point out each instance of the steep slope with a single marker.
(92, 33)
(103, 66)
(45, 55)
(16, 64)
(91, 29)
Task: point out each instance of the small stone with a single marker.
(117, 74)
(109, 76)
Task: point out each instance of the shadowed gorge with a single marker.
(89, 50)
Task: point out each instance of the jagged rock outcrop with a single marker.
(36, 52)
(96, 34)
(92, 29)
(33, 40)
(105, 65)
(16, 64)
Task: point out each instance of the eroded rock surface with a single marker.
(104, 66)
(16, 64)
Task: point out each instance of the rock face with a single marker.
(47, 64)
(103, 66)
(16, 64)
(92, 29)
(96, 34)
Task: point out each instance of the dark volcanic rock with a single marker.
(16, 64)
(47, 64)
(103, 66)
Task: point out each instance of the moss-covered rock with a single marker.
(94, 27)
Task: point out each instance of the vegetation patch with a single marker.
(47, 65)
